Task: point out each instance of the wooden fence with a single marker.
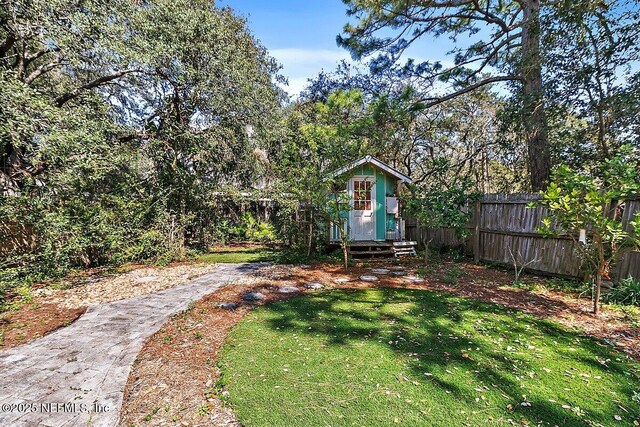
(503, 227)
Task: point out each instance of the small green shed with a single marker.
(373, 188)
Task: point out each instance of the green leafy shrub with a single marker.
(292, 255)
(440, 203)
(452, 275)
(592, 203)
(221, 231)
(424, 272)
(626, 292)
(250, 229)
(261, 232)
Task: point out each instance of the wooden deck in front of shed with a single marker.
(368, 248)
(372, 248)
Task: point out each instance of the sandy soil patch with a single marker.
(98, 290)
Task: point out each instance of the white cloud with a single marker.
(299, 65)
(296, 85)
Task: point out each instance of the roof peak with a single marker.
(374, 161)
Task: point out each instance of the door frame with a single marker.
(374, 204)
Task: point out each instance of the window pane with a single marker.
(362, 195)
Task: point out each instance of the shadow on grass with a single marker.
(509, 353)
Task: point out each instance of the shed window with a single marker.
(362, 195)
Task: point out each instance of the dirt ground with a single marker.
(52, 308)
(139, 281)
(34, 320)
(173, 381)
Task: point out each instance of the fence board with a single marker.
(507, 228)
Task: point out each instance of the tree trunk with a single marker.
(344, 242)
(309, 246)
(425, 243)
(535, 120)
(596, 293)
(298, 232)
(601, 270)
(345, 249)
(345, 255)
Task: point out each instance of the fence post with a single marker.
(476, 231)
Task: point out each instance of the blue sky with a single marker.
(301, 35)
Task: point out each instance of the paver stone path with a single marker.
(76, 375)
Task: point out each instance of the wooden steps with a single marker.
(404, 248)
(371, 249)
(376, 252)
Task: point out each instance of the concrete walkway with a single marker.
(76, 375)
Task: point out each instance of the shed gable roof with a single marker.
(378, 163)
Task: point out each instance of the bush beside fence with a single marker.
(503, 227)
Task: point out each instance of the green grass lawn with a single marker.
(388, 357)
(226, 254)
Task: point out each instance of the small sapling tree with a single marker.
(336, 209)
(440, 204)
(519, 264)
(594, 203)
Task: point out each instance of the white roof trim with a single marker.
(370, 159)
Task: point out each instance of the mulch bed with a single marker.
(488, 284)
(94, 290)
(54, 307)
(173, 381)
(34, 320)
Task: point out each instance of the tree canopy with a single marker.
(534, 49)
(120, 120)
(128, 129)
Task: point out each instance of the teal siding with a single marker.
(363, 170)
(381, 214)
(390, 183)
(385, 186)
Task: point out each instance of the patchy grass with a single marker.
(452, 275)
(234, 254)
(537, 284)
(381, 357)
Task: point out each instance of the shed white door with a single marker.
(363, 220)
